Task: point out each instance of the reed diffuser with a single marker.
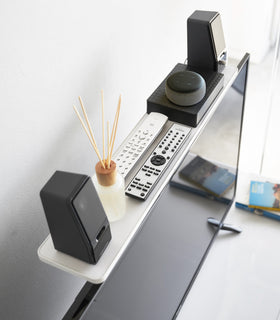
(108, 183)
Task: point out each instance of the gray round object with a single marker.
(185, 88)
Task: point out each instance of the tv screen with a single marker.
(156, 272)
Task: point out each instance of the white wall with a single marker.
(248, 25)
(52, 52)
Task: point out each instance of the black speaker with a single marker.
(206, 42)
(187, 92)
(190, 115)
(76, 218)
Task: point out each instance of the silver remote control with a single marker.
(150, 173)
(140, 141)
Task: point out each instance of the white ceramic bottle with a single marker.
(110, 186)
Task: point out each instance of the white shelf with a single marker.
(122, 232)
(136, 211)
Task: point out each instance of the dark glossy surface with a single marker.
(154, 276)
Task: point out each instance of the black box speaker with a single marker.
(206, 42)
(207, 55)
(75, 216)
(190, 115)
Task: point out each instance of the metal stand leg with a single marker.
(81, 302)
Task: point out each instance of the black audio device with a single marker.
(189, 89)
(77, 221)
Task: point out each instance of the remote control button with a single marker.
(158, 160)
(157, 163)
(141, 139)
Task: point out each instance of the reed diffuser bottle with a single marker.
(108, 183)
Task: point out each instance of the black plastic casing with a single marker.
(201, 40)
(77, 221)
(206, 47)
(190, 115)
